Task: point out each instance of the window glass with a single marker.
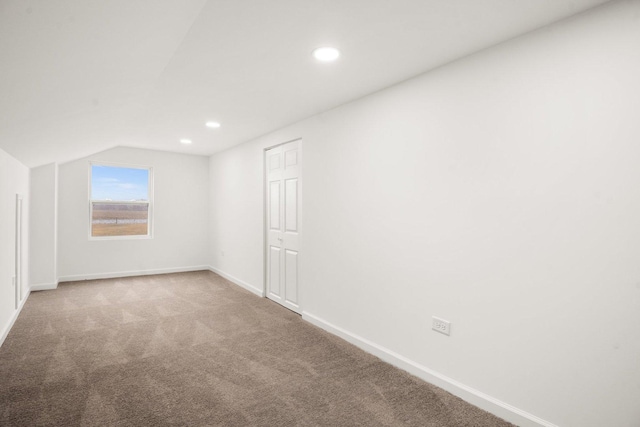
(120, 201)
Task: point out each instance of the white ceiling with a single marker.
(79, 76)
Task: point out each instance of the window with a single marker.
(120, 201)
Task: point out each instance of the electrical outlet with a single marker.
(222, 253)
(441, 325)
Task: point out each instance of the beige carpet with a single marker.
(192, 349)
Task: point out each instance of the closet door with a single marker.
(283, 224)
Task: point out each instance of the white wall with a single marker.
(14, 179)
(500, 192)
(180, 237)
(236, 214)
(43, 230)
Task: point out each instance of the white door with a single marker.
(18, 267)
(283, 224)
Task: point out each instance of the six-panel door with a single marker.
(283, 224)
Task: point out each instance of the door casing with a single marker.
(18, 257)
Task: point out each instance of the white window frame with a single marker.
(150, 221)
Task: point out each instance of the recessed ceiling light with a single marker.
(326, 54)
(213, 125)
(185, 141)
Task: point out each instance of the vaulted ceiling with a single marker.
(78, 76)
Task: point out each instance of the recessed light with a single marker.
(213, 125)
(185, 141)
(326, 54)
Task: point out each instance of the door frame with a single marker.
(265, 217)
(17, 274)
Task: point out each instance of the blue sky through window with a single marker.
(118, 183)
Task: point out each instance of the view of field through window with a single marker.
(119, 201)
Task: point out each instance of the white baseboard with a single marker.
(44, 287)
(466, 393)
(241, 283)
(94, 276)
(6, 330)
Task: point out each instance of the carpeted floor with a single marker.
(192, 349)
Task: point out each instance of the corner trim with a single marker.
(253, 289)
(16, 313)
(116, 274)
(468, 394)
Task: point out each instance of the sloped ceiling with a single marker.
(81, 76)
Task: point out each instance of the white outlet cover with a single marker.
(441, 325)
